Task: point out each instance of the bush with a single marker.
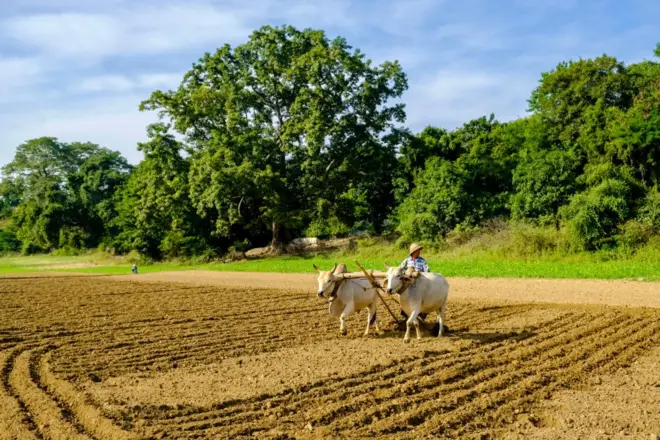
(649, 212)
(593, 216)
(529, 241)
(134, 257)
(176, 244)
(543, 182)
(9, 242)
(326, 228)
(72, 238)
(634, 234)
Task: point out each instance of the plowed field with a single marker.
(108, 358)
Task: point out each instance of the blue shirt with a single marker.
(419, 264)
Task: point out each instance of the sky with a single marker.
(78, 69)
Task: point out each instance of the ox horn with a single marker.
(315, 267)
(386, 265)
(333, 269)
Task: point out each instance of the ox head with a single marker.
(326, 279)
(395, 278)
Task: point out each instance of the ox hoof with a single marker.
(343, 332)
(406, 341)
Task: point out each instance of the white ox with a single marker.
(425, 294)
(350, 295)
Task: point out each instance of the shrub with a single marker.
(634, 234)
(649, 212)
(9, 242)
(594, 215)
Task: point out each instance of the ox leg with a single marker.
(441, 318)
(344, 315)
(416, 322)
(412, 320)
(371, 318)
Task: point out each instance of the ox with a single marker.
(346, 296)
(426, 293)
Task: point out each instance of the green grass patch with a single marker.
(511, 253)
(466, 267)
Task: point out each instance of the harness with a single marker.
(336, 287)
(405, 284)
(410, 280)
(338, 284)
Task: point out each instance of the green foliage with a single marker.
(155, 213)
(543, 182)
(593, 215)
(649, 210)
(571, 98)
(286, 120)
(294, 133)
(465, 191)
(8, 242)
(60, 195)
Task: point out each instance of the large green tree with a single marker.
(288, 128)
(62, 192)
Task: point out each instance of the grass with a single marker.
(474, 265)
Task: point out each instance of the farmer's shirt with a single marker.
(419, 264)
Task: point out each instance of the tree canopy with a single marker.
(293, 133)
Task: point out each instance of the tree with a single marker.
(61, 193)
(635, 133)
(572, 100)
(468, 183)
(543, 182)
(282, 123)
(155, 214)
(92, 188)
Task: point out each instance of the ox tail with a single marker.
(373, 318)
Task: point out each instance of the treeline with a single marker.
(294, 134)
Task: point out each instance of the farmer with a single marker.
(416, 262)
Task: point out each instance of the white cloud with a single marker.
(112, 122)
(106, 83)
(17, 73)
(67, 34)
(451, 97)
(146, 29)
(122, 83)
(160, 80)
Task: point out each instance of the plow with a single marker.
(377, 278)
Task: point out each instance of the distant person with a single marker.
(415, 261)
(134, 269)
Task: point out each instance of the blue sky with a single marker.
(78, 69)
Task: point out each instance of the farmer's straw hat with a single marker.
(413, 248)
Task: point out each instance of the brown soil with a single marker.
(219, 355)
(557, 291)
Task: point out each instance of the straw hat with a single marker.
(414, 247)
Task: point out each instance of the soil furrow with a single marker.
(47, 415)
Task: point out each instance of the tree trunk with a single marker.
(275, 229)
(276, 245)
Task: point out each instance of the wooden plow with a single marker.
(371, 276)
